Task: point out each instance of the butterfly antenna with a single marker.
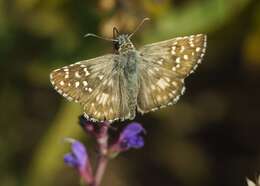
(94, 35)
(138, 27)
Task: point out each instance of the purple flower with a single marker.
(130, 137)
(78, 158)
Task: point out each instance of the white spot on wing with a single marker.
(86, 71)
(70, 98)
(56, 70)
(167, 79)
(77, 84)
(191, 43)
(157, 69)
(162, 83)
(160, 61)
(174, 83)
(100, 77)
(183, 90)
(66, 76)
(111, 110)
(182, 49)
(178, 60)
(77, 75)
(173, 50)
(85, 83)
(103, 99)
(159, 98)
(198, 49)
(110, 83)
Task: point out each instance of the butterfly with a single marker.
(116, 86)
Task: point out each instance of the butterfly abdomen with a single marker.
(130, 72)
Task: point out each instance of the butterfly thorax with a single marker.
(124, 43)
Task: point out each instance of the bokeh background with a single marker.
(210, 138)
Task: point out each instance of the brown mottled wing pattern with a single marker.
(163, 68)
(96, 85)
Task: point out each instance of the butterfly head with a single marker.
(122, 42)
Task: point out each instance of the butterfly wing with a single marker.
(96, 84)
(163, 68)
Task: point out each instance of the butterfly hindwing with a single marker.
(163, 68)
(95, 84)
(108, 101)
(157, 88)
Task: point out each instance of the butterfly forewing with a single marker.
(95, 84)
(163, 67)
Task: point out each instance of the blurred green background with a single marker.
(210, 138)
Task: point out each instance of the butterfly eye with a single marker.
(116, 46)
